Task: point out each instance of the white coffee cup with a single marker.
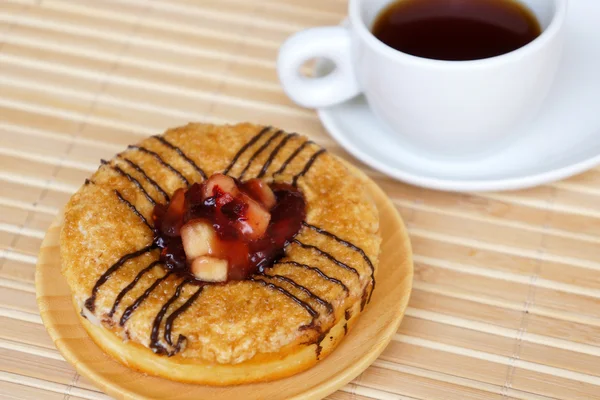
(462, 108)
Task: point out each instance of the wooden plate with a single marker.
(364, 343)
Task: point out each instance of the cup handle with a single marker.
(333, 43)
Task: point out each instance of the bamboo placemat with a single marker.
(507, 285)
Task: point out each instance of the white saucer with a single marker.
(563, 141)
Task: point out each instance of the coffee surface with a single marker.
(456, 30)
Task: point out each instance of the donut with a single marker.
(221, 254)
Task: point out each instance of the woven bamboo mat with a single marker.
(507, 285)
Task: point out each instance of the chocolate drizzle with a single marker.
(245, 147)
(182, 154)
(319, 340)
(292, 156)
(326, 255)
(133, 209)
(363, 300)
(259, 152)
(129, 310)
(318, 271)
(350, 245)
(175, 314)
(162, 162)
(347, 316)
(131, 179)
(301, 303)
(274, 153)
(130, 286)
(145, 175)
(154, 345)
(309, 164)
(90, 302)
(310, 294)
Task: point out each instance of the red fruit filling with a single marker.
(245, 224)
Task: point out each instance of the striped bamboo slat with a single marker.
(506, 296)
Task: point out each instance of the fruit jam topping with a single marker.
(223, 229)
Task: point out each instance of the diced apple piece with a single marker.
(199, 238)
(223, 182)
(255, 221)
(210, 269)
(261, 192)
(173, 218)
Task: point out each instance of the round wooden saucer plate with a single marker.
(364, 343)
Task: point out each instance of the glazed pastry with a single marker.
(221, 254)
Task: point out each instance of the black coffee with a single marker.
(456, 30)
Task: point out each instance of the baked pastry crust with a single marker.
(246, 331)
